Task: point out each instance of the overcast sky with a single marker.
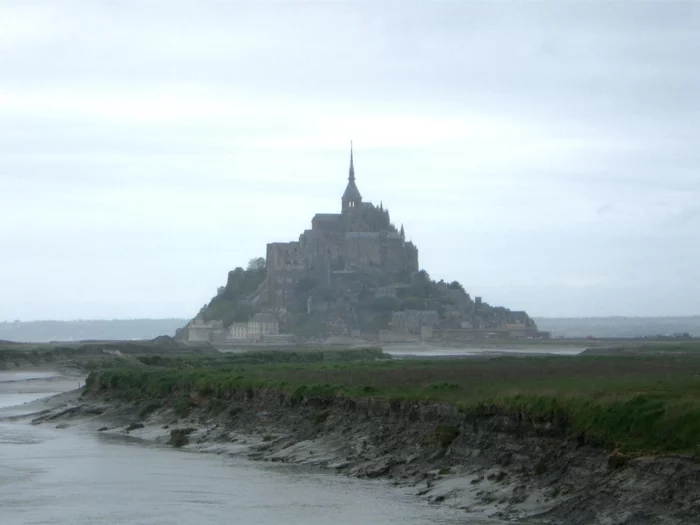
(544, 154)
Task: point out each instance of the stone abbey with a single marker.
(352, 274)
(359, 239)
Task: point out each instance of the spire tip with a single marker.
(352, 165)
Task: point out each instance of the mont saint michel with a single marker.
(353, 274)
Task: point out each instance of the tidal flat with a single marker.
(67, 473)
(565, 439)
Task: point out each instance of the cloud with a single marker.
(543, 154)
(23, 26)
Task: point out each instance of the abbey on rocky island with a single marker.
(352, 274)
(360, 238)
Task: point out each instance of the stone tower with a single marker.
(351, 200)
(359, 240)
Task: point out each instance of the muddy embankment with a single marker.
(490, 465)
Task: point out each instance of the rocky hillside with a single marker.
(361, 301)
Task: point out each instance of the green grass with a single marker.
(296, 355)
(651, 347)
(637, 404)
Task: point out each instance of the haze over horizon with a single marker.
(543, 154)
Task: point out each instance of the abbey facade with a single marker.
(361, 238)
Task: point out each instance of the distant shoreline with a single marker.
(144, 329)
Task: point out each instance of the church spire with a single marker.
(351, 198)
(403, 232)
(352, 165)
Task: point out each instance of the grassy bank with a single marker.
(267, 357)
(646, 404)
(89, 354)
(646, 348)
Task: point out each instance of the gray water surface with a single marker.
(425, 350)
(76, 477)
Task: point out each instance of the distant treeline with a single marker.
(81, 330)
(619, 326)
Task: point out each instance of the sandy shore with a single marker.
(492, 469)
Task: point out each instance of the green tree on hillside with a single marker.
(257, 264)
(230, 304)
(455, 285)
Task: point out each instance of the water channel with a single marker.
(76, 477)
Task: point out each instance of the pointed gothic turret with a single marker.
(402, 232)
(351, 198)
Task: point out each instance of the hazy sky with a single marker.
(544, 154)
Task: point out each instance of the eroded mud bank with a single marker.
(490, 465)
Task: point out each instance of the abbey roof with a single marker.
(351, 192)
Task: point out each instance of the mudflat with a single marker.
(66, 473)
(576, 440)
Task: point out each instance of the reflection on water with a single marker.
(9, 377)
(424, 350)
(74, 477)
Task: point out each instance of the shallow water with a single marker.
(10, 377)
(425, 350)
(16, 400)
(74, 477)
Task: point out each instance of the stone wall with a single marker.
(377, 251)
(364, 240)
(256, 329)
(285, 267)
(389, 336)
(411, 321)
(238, 331)
(199, 333)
